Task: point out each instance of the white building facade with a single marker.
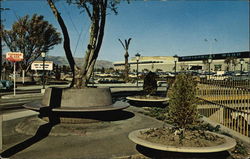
(190, 63)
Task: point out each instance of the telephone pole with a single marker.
(1, 29)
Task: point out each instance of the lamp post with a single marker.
(137, 56)
(175, 61)
(241, 64)
(43, 79)
(209, 60)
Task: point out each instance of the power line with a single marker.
(70, 18)
(79, 37)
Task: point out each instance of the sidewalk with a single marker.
(33, 87)
(22, 95)
(27, 88)
(113, 87)
(107, 139)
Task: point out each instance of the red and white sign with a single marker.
(14, 56)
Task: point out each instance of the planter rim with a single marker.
(115, 106)
(133, 98)
(230, 143)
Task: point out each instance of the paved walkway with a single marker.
(113, 87)
(94, 140)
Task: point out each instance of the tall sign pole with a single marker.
(14, 73)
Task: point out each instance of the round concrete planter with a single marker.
(229, 143)
(77, 100)
(77, 105)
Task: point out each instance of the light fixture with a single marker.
(241, 61)
(43, 54)
(175, 58)
(209, 60)
(137, 56)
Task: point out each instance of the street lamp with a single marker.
(43, 80)
(137, 56)
(209, 60)
(175, 61)
(241, 64)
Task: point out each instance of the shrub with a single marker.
(158, 113)
(240, 148)
(182, 103)
(150, 83)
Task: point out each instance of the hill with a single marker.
(60, 60)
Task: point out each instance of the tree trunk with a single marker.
(98, 19)
(96, 38)
(126, 66)
(66, 43)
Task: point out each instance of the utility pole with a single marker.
(1, 28)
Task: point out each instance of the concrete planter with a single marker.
(79, 100)
(158, 99)
(147, 102)
(70, 105)
(229, 143)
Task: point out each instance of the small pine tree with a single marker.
(150, 84)
(182, 104)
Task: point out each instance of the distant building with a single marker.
(195, 62)
(151, 63)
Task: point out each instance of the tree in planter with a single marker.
(150, 84)
(31, 36)
(182, 103)
(126, 55)
(96, 11)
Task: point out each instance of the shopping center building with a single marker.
(232, 61)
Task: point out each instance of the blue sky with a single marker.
(157, 28)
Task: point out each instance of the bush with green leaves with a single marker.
(158, 113)
(240, 148)
(182, 104)
(150, 84)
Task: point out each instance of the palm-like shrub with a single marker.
(182, 104)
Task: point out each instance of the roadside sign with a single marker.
(14, 56)
(38, 65)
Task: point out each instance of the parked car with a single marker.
(219, 77)
(245, 78)
(6, 85)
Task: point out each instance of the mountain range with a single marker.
(60, 60)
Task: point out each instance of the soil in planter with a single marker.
(195, 138)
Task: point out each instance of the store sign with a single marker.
(14, 56)
(38, 65)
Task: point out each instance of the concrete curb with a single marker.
(17, 115)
